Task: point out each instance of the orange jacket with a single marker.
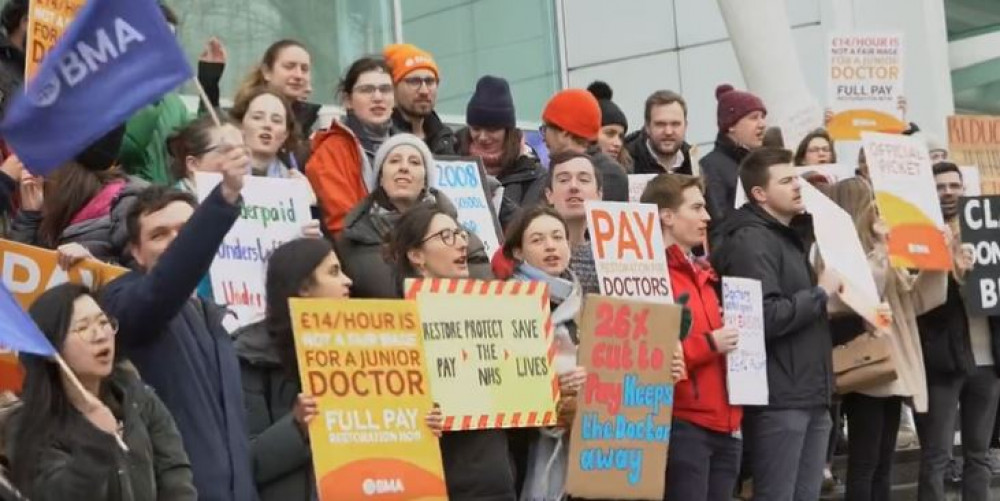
(334, 170)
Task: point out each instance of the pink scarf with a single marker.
(100, 205)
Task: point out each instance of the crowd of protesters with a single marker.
(216, 415)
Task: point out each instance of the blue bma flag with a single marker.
(18, 331)
(116, 57)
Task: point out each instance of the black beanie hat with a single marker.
(491, 105)
(103, 153)
(611, 114)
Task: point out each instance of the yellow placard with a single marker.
(27, 272)
(364, 362)
(489, 349)
(47, 21)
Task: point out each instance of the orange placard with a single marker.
(47, 21)
(27, 272)
(363, 361)
(975, 140)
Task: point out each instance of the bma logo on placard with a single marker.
(85, 59)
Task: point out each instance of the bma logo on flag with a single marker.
(84, 59)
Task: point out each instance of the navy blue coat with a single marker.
(181, 349)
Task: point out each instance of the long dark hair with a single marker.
(511, 148)
(67, 191)
(408, 234)
(289, 269)
(47, 416)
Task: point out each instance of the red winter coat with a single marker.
(701, 399)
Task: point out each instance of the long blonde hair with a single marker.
(255, 78)
(855, 196)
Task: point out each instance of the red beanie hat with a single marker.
(575, 111)
(734, 105)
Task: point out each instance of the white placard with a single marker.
(462, 180)
(274, 212)
(743, 304)
(629, 253)
(637, 184)
(972, 180)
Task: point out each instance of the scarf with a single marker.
(370, 136)
(560, 287)
(491, 158)
(384, 215)
(275, 169)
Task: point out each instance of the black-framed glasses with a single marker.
(414, 83)
(370, 89)
(449, 236)
(90, 332)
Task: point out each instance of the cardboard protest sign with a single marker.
(637, 184)
(463, 181)
(799, 119)
(274, 212)
(489, 347)
(975, 140)
(900, 171)
(618, 447)
(840, 247)
(864, 83)
(743, 306)
(628, 250)
(27, 272)
(363, 361)
(47, 20)
(979, 218)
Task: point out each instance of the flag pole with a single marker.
(89, 397)
(207, 103)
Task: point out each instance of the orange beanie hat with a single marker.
(404, 58)
(575, 111)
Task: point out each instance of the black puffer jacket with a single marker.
(643, 161)
(438, 136)
(944, 337)
(720, 169)
(155, 467)
(755, 245)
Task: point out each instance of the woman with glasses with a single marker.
(62, 446)
(405, 167)
(816, 149)
(342, 167)
(428, 242)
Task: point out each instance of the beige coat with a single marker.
(908, 296)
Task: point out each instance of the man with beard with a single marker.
(960, 356)
(416, 77)
(660, 146)
(740, 117)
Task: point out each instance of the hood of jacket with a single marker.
(799, 230)
(254, 344)
(359, 228)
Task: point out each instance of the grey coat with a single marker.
(105, 237)
(360, 251)
(279, 453)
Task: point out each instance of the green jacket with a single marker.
(144, 150)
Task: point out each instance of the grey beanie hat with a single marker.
(410, 140)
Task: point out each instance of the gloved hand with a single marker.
(686, 320)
